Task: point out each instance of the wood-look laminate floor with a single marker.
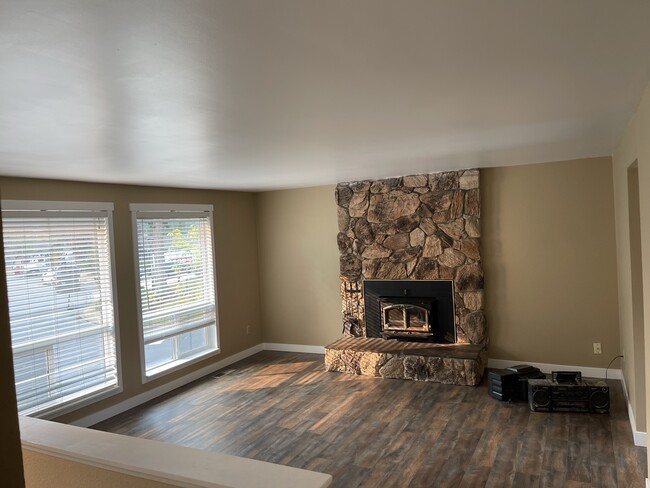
(284, 408)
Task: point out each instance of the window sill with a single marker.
(71, 406)
(177, 365)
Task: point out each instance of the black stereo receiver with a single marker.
(547, 395)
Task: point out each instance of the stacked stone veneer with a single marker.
(419, 227)
(456, 365)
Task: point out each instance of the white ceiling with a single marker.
(263, 94)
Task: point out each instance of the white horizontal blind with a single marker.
(177, 290)
(59, 279)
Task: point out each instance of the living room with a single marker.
(562, 224)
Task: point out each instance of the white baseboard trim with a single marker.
(144, 397)
(587, 372)
(640, 438)
(274, 346)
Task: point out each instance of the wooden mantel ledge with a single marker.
(158, 461)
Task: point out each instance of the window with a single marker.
(61, 305)
(177, 291)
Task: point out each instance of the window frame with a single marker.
(36, 208)
(171, 211)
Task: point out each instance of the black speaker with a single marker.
(599, 398)
(503, 385)
(539, 396)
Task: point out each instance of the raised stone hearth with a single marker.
(454, 364)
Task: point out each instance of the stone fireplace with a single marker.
(398, 238)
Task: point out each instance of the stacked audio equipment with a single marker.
(511, 384)
(568, 392)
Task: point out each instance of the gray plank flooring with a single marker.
(284, 408)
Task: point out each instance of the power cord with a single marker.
(610, 363)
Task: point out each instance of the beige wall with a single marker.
(236, 261)
(634, 151)
(548, 251)
(550, 262)
(45, 471)
(299, 266)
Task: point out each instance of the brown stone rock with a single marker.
(407, 223)
(358, 204)
(447, 241)
(456, 371)
(470, 248)
(434, 367)
(457, 204)
(454, 229)
(444, 181)
(375, 251)
(441, 217)
(357, 247)
(385, 185)
(432, 247)
(423, 211)
(387, 207)
(446, 273)
(428, 226)
(391, 271)
(473, 300)
(343, 194)
(437, 201)
(424, 189)
(385, 228)
(474, 326)
(369, 268)
(370, 363)
(404, 255)
(343, 242)
(469, 277)
(473, 372)
(350, 360)
(415, 368)
(472, 227)
(333, 360)
(363, 231)
(451, 258)
(461, 338)
(416, 237)
(473, 203)
(360, 186)
(343, 219)
(426, 269)
(397, 241)
(410, 266)
(350, 266)
(416, 180)
(393, 368)
(469, 180)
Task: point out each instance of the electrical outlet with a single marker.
(598, 349)
(248, 331)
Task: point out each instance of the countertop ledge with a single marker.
(158, 461)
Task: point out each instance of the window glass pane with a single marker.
(192, 341)
(158, 353)
(59, 281)
(177, 290)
